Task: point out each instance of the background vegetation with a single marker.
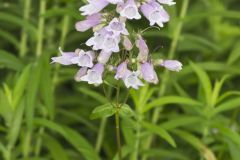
(191, 115)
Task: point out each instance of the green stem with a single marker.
(117, 123)
(118, 133)
(23, 41)
(41, 23)
(101, 134)
(137, 142)
(171, 53)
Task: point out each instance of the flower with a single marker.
(91, 21)
(168, 2)
(127, 43)
(84, 59)
(148, 73)
(131, 80)
(93, 7)
(121, 70)
(81, 72)
(129, 10)
(115, 1)
(65, 58)
(172, 65)
(94, 75)
(155, 13)
(104, 40)
(117, 27)
(103, 57)
(143, 49)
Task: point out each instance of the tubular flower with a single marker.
(84, 59)
(168, 2)
(94, 75)
(91, 21)
(143, 49)
(172, 65)
(129, 10)
(155, 13)
(104, 57)
(127, 43)
(117, 27)
(93, 7)
(131, 80)
(81, 72)
(65, 58)
(121, 70)
(148, 73)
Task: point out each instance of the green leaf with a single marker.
(31, 94)
(105, 110)
(55, 148)
(235, 54)
(180, 121)
(228, 105)
(204, 80)
(159, 131)
(171, 100)
(230, 134)
(126, 111)
(10, 61)
(21, 85)
(73, 137)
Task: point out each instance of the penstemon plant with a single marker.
(113, 51)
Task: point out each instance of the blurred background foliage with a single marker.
(191, 115)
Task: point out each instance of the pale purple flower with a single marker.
(115, 1)
(84, 59)
(104, 40)
(168, 2)
(117, 27)
(155, 13)
(131, 80)
(93, 7)
(91, 21)
(127, 43)
(172, 65)
(94, 75)
(65, 58)
(97, 40)
(143, 49)
(129, 10)
(81, 72)
(148, 73)
(121, 70)
(103, 57)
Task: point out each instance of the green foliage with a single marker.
(190, 115)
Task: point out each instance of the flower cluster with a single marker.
(111, 38)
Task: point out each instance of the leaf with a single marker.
(228, 105)
(165, 154)
(230, 134)
(171, 100)
(10, 61)
(126, 111)
(73, 137)
(55, 148)
(204, 80)
(20, 86)
(105, 110)
(31, 94)
(235, 54)
(179, 121)
(159, 131)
